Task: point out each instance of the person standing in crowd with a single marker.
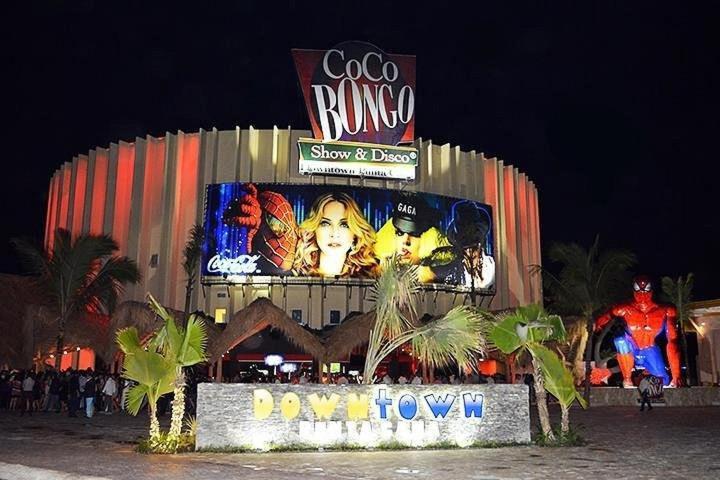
(53, 392)
(89, 394)
(109, 390)
(28, 384)
(73, 393)
(5, 390)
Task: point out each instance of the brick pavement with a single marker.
(622, 443)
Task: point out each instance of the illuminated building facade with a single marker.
(149, 193)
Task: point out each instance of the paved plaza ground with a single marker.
(671, 443)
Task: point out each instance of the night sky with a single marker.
(611, 108)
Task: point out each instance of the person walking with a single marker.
(53, 393)
(109, 390)
(89, 394)
(28, 385)
(649, 387)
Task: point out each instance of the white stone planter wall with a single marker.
(267, 416)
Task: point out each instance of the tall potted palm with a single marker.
(679, 292)
(456, 337)
(192, 253)
(587, 282)
(526, 331)
(153, 373)
(182, 347)
(80, 275)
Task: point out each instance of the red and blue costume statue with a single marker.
(645, 320)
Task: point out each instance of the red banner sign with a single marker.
(356, 92)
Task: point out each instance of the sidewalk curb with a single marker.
(14, 471)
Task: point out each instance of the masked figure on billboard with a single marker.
(411, 234)
(468, 230)
(644, 320)
(335, 240)
(271, 227)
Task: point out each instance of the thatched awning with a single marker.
(140, 316)
(257, 316)
(352, 333)
(84, 331)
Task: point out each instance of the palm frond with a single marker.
(393, 293)
(193, 250)
(459, 336)
(129, 340)
(134, 399)
(194, 342)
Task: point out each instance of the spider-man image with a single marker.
(645, 320)
(271, 227)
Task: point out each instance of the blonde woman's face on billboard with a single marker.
(333, 235)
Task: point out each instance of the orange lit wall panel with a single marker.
(99, 188)
(79, 195)
(65, 196)
(186, 188)
(523, 212)
(514, 279)
(123, 195)
(52, 212)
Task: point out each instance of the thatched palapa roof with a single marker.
(140, 316)
(257, 316)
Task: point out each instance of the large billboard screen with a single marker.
(336, 231)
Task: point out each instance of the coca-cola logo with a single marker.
(356, 92)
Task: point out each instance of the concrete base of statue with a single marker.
(671, 397)
(284, 416)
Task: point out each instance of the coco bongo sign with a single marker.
(361, 104)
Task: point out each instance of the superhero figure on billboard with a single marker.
(272, 230)
(644, 320)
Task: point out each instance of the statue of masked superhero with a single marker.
(271, 227)
(645, 320)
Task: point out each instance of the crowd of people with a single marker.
(74, 392)
(306, 376)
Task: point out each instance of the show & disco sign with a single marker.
(361, 104)
(280, 230)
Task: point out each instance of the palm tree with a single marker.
(153, 373)
(79, 275)
(192, 253)
(679, 292)
(457, 336)
(183, 347)
(525, 331)
(588, 282)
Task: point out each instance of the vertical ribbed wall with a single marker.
(149, 193)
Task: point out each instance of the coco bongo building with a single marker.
(305, 218)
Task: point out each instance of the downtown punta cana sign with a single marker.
(263, 417)
(355, 92)
(357, 159)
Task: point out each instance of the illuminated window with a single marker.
(220, 315)
(334, 317)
